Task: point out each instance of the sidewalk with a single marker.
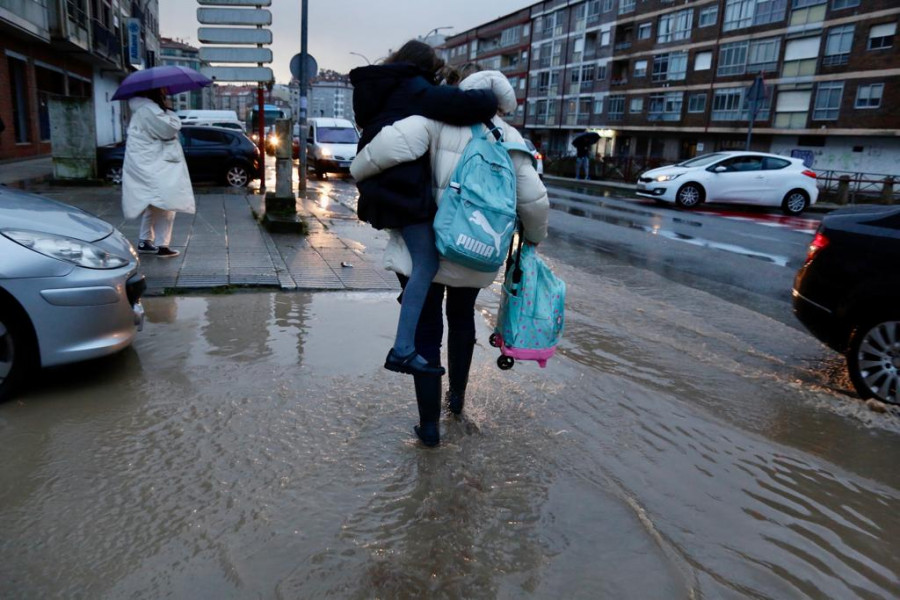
(222, 245)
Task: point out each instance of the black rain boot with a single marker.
(428, 399)
(459, 359)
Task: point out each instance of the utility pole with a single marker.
(301, 117)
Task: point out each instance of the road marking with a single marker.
(798, 224)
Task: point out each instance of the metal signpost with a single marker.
(251, 15)
(303, 73)
(756, 95)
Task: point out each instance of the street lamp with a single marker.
(435, 30)
(368, 62)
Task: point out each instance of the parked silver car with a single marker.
(70, 287)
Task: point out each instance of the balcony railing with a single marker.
(76, 14)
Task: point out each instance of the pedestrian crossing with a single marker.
(799, 224)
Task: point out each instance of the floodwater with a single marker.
(251, 446)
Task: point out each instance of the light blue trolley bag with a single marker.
(532, 307)
(477, 214)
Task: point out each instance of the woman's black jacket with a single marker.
(383, 94)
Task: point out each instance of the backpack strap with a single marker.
(517, 147)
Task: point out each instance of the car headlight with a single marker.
(83, 254)
(273, 139)
(325, 153)
(662, 178)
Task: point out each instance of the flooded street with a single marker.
(251, 446)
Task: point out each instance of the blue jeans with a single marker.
(583, 162)
(419, 239)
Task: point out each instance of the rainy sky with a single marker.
(339, 27)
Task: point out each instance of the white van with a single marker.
(215, 118)
(330, 145)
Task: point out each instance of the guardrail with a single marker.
(846, 187)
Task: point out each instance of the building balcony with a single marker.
(106, 43)
(70, 26)
(622, 45)
(26, 15)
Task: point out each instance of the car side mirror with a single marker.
(720, 169)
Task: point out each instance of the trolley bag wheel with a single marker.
(494, 340)
(506, 362)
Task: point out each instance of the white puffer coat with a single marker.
(412, 137)
(155, 172)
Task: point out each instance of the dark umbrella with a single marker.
(174, 79)
(588, 138)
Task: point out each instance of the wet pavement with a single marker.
(250, 445)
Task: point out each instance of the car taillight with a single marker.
(538, 156)
(818, 243)
(809, 173)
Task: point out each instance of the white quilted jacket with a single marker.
(412, 137)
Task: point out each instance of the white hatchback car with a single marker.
(734, 177)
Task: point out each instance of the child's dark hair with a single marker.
(419, 54)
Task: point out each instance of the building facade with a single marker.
(179, 54)
(331, 95)
(73, 49)
(668, 80)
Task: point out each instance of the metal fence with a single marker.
(861, 187)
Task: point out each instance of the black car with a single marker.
(214, 154)
(848, 295)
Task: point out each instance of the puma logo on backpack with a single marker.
(477, 213)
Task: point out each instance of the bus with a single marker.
(271, 113)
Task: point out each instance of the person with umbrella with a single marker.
(155, 179)
(583, 143)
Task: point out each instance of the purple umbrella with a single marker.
(174, 79)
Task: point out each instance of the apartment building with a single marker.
(180, 54)
(70, 48)
(669, 80)
(501, 45)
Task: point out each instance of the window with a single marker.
(616, 107)
(598, 106)
(636, 105)
(745, 13)
(593, 12)
(837, 45)
(882, 36)
(733, 58)
(675, 26)
(708, 16)
(828, 101)
(511, 36)
(804, 3)
(604, 38)
(697, 103)
(792, 109)
(741, 164)
(869, 96)
(727, 104)
(601, 73)
(607, 5)
(668, 67)
(801, 56)
(587, 73)
(626, 6)
(665, 107)
(640, 68)
(644, 31)
(839, 4)
(763, 55)
(774, 164)
(702, 61)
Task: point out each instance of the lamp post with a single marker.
(363, 56)
(435, 30)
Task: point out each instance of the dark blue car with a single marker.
(213, 154)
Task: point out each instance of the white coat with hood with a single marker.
(155, 172)
(412, 137)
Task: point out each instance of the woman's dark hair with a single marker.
(157, 95)
(419, 54)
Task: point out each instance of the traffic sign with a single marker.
(235, 2)
(234, 16)
(312, 67)
(235, 55)
(231, 35)
(238, 73)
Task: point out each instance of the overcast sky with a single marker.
(338, 27)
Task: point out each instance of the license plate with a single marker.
(642, 186)
(344, 163)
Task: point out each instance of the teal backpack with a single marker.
(477, 213)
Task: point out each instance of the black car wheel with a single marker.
(237, 176)
(689, 195)
(795, 202)
(874, 359)
(113, 173)
(15, 351)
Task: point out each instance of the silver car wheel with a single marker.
(795, 202)
(114, 174)
(874, 361)
(688, 196)
(237, 176)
